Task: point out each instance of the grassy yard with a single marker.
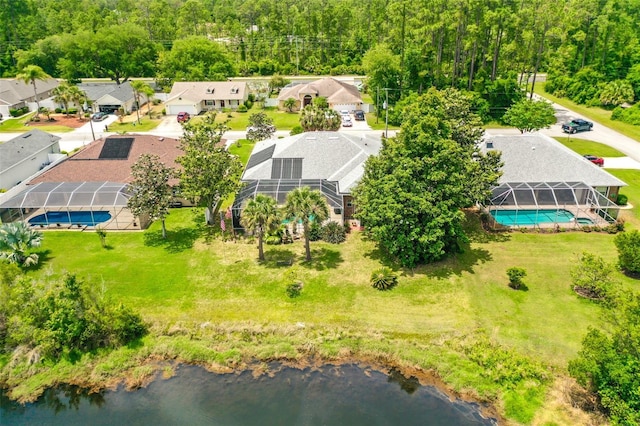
(195, 278)
(583, 146)
(632, 178)
(596, 114)
(18, 125)
(283, 120)
(130, 124)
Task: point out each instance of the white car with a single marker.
(346, 122)
(344, 113)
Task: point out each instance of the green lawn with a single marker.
(583, 146)
(632, 178)
(145, 125)
(283, 120)
(599, 115)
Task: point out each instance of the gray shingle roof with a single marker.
(95, 91)
(24, 146)
(333, 156)
(538, 158)
(13, 91)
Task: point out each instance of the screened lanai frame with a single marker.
(279, 188)
(67, 197)
(580, 199)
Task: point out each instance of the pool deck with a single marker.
(120, 221)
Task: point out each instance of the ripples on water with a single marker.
(331, 395)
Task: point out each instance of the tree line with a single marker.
(461, 43)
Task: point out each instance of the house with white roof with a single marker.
(197, 96)
(331, 162)
(340, 95)
(544, 181)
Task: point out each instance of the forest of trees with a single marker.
(468, 44)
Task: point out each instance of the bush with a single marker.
(315, 232)
(248, 104)
(621, 200)
(242, 108)
(592, 278)
(628, 245)
(164, 111)
(73, 110)
(156, 101)
(516, 275)
(58, 110)
(383, 279)
(251, 97)
(334, 233)
(296, 130)
(273, 240)
(294, 289)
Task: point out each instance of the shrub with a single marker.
(14, 112)
(164, 111)
(592, 278)
(242, 108)
(628, 245)
(294, 289)
(516, 275)
(248, 104)
(251, 97)
(334, 233)
(315, 232)
(621, 200)
(383, 279)
(156, 101)
(73, 110)
(273, 240)
(296, 130)
(58, 110)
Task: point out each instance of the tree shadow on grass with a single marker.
(277, 257)
(324, 258)
(177, 240)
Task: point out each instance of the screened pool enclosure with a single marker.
(71, 205)
(550, 204)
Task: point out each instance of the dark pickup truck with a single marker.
(577, 125)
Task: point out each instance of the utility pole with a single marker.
(386, 119)
(377, 104)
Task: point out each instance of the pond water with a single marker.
(331, 395)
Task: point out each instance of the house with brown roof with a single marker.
(15, 94)
(90, 188)
(197, 96)
(340, 95)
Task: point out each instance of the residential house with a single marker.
(109, 97)
(25, 155)
(197, 96)
(94, 181)
(331, 162)
(542, 176)
(340, 95)
(15, 94)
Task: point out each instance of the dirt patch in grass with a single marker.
(71, 121)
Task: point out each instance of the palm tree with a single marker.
(140, 87)
(258, 216)
(301, 205)
(78, 97)
(62, 96)
(289, 104)
(30, 74)
(15, 239)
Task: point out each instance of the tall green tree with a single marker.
(62, 95)
(303, 206)
(210, 172)
(530, 115)
(16, 240)
(260, 215)
(260, 127)
(150, 190)
(140, 88)
(411, 194)
(29, 75)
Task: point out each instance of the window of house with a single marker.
(221, 104)
(210, 102)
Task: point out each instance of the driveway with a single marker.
(600, 133)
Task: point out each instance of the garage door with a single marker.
(175, 109)
(348, 107)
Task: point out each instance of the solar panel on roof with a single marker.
(260, 157)
(116, 149)
(286, 168)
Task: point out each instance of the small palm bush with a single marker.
(334, 233)
(516, 276)
(383, 279)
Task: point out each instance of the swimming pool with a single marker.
(74, 218)
(532, 217)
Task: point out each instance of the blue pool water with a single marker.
(531, 217)
(74, 218)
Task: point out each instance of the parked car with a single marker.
(346, 122)
(598, 161)
(359, 115)
(99, 116)
(344, 113)
(577, 125)
(183, 117)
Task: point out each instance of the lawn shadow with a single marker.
(323, 258)
(277, 257)
(176, 241)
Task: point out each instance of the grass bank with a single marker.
(210, 301)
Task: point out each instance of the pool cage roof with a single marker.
(56, 195)
(533, 195)
(279, 188)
